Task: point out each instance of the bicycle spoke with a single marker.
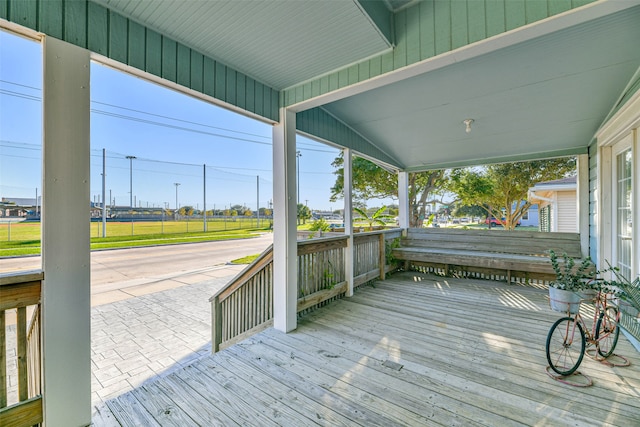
(565, 346)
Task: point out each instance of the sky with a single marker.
(171, 135)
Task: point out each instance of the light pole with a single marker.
(298, 155)
(131, 180)
(176, 184)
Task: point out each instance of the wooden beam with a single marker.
(25, 413)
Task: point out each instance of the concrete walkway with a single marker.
(150, 329)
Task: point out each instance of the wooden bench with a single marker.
(501, 253)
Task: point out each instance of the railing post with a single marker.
(383, 255)
(216, 325)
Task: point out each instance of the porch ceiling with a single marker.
(543, 97)
(278, 42)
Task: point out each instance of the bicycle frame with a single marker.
(600, 306)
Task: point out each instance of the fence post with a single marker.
(383, 257)
(216, 325)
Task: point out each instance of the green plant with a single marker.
(389, 246)
(319, 225)
(329, 276)
(376, 218)
(622, 287)
(570, 277)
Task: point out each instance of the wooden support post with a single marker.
(383, 256)
(216, 324)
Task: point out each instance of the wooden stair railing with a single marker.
(20, 295)
(245, 305)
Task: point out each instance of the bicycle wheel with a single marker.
(607, 331)
(565, 350)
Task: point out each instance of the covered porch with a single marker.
(415, 349)
(393, 84)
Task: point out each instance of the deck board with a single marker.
(472, 354)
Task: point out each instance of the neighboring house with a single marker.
(530, 218)
(11, 207)
(558, 204)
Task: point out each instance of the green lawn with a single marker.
(23, 238)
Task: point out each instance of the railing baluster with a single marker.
(23, 380)
(3, 361)
(246, 304)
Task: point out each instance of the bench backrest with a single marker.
(499, 241)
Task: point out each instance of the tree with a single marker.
(372, 181)
(186, 211)
(501, 190)
(304, 213)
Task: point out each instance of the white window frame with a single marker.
(620, 132)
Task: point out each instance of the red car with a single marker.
(496, 222)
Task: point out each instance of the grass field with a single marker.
(23, 238)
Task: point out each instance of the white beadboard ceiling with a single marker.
(278, 42)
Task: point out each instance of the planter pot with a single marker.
(564, 301)
(588, 294)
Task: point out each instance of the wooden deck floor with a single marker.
(413, 350)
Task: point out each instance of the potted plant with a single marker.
(571, 279)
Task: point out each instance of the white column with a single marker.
(285, 248)
(582, 191)
(348, 218)
(403, 199)
(66, 315)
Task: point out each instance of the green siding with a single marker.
(53, 25)
(24, 13)
(98, 37)
(319, 123)
(380, 16)
(75, 23)
(153, 59)
(94, 27)
(183, 65)
(197, 71)
(434, 27)
(209, 76)
(169, 55)
(137, 45)
(118, 34)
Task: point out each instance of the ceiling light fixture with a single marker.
(467, 124)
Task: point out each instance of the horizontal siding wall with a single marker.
(567, 212)
(433, 27)
(319, 123)
(100, 30)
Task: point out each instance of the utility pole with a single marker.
(258, 201)
(104, 193)
(204, 196)
(177, 184)
(298, 155)
(131, 180)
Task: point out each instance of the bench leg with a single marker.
(509, 276)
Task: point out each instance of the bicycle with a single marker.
(565, 352)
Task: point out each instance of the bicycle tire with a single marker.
(564, 354)
(607, 324)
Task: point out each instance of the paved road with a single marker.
(114, 269)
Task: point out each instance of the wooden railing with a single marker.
(245, 306)
(20, 404)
